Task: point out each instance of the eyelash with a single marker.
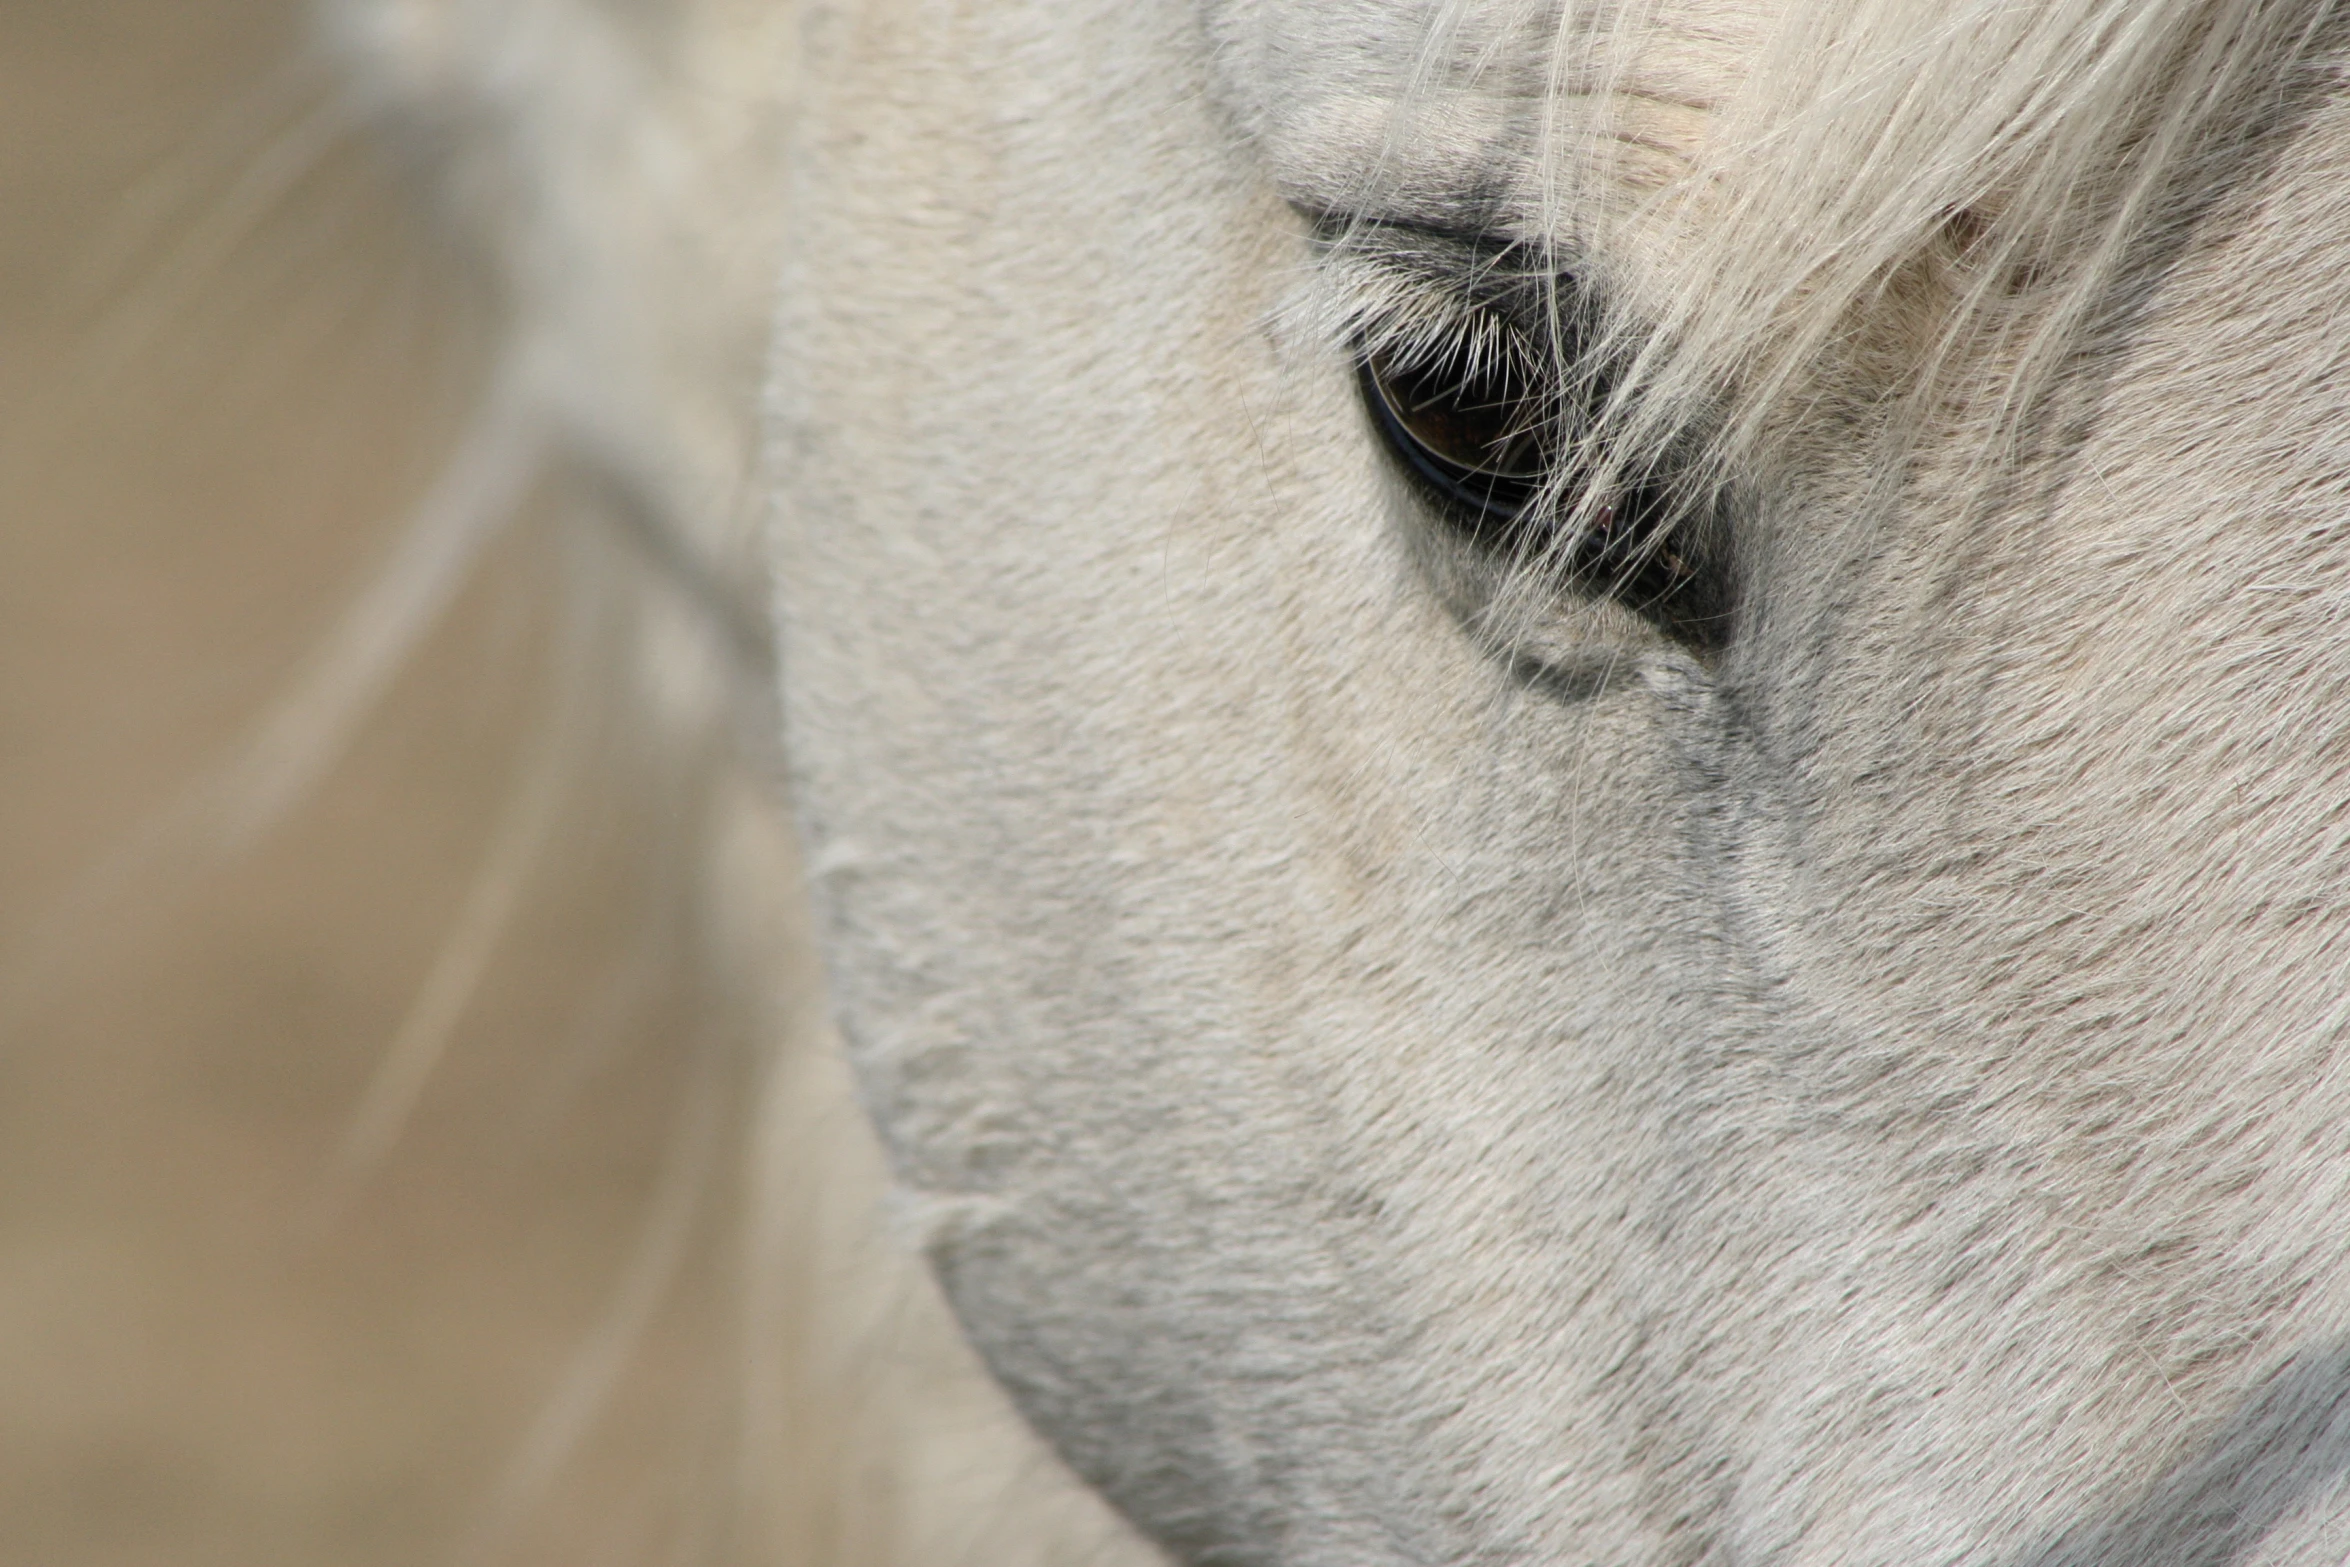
(1480, 419)
(1473, 433)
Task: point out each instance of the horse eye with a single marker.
(1474, 429)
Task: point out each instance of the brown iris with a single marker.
(1474, 428)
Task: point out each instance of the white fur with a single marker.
(1395, 1058)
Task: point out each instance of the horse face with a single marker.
(1399, 1057)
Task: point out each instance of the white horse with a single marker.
(1574, 770)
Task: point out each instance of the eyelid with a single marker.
(1436, 276)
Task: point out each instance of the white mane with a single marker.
(1966, 180)
(1871, 203)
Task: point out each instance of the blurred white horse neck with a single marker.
(1574, 772)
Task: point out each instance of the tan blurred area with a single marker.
(228, 363)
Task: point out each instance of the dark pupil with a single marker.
(1473, 427)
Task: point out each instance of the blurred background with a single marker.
(242, 1320)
